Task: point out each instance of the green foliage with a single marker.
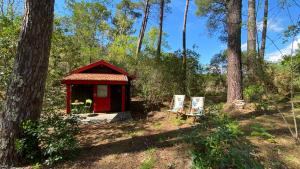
(262, 105)
(28, 145)
(215, 11)
(160, 81)
(281, 73)
(37, 166)
(125, 16)
(254, 93)
(177, 121)
(9, 33)
(214, 108)
(222, 148)
(149, 161)
(48, 140)
(292, 30)
(259, 131)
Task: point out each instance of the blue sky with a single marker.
(197, 33)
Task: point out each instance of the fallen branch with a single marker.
(285, 121)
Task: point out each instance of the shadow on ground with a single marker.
(92, 153)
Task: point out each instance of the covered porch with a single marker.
(108, 92)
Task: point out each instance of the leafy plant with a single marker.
(259, 131)
(254, 93)
(262, 105)
(48, 140)
(223, 148)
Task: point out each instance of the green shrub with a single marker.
(254, 93)
(48, 140)
(28, 144)
(262, 105)
(223, 148)
(259, 131)
(214, 108)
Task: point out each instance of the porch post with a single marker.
(123, 98)
(68, 99)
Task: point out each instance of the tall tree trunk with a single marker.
(184, 58)
(27, 82)
(251, 42)
(264, 32)
(143, 27)
(161, 17)
(234, 72)
(1, 7)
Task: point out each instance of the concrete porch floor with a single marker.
(104, 117)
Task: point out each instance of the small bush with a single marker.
(48, 140)
(223, 148)
(262, 106)
(254, 93)
(214, 108)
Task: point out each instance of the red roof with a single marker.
(100, 63)
(82, 76)
(97, 77)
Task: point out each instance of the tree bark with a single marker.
(251, 40)
(161, 17)
(1, 7)
(184, 57)
(264, 32)
(234, 72)
(27, 82)
(143, 27)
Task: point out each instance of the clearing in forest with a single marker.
(158, 142)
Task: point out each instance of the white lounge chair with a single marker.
(196, 107)
(177, 104)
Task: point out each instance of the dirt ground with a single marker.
(281, 151)
(153, 142)
(130, 144)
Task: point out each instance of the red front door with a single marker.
(101, 98)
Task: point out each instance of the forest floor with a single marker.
(274, 144)
(155, 142)
(148, 143)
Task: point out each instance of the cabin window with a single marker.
(102, 91)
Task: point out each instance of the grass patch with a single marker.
(177, 121)
(135, 133)
(157, 126)
(149, 161)
(291, 158)
(151, 151)
(259, 131)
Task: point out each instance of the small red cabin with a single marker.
(108, 87)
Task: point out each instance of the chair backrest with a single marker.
(197, 103)
(178, 101)
(88, 102)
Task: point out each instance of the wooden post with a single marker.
(94, 97)
(123, 98)
(68, 99)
